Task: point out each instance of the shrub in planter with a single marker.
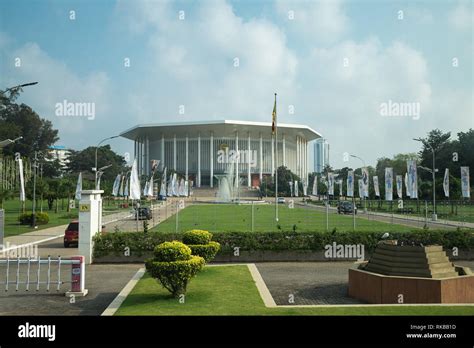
(194, 237)
(173, 266)
(27, 218)
(199, 241)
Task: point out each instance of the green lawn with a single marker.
(234, 218)
(230, 290)
(62, 217)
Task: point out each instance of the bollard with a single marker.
(78, 276)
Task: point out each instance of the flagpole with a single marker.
(276, 164)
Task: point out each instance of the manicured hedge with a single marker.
(42, 218)
(116, 243)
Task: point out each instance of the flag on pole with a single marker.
(296, 188)
(126, 192)
(361, 188)
(291, 188)
(315, 186)
(388, 184)
(22, 180)
(365, 181)
(134, 182)
(350, 183)
(163, 184)
(79, 187)
(466, 192)
(406, 184)
(399, 180)
(305, 188)
(122, 185)
(331, 184)
(376, 186)
(274, 117)
(116, 187)
(412, 178)
(446, 183)
(340, 187)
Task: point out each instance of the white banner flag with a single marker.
(296, 188)
(376, 186)
(365, 181)
(79, 187)
(22, 180)
(315, 186)
(446, 182)
(340, 187)
(134, 182)
(331, 184)
(465, 187)
(350, 183)
(116, 187)
(388, 184)
(412, 178)
(406, 185)
(399, 180)
(361, 188)
(126, 193)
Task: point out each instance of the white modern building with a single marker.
(201, 150)
(321, 155)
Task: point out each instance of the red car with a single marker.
(71, 235)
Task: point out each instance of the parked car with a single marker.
(345, 207)
(143, 213)
(71, 235)
(281, 200)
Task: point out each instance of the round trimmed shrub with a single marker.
(195, 237)
(172, 251)
(206, 251)
(200, 243)
(173, 266)
(27, 218)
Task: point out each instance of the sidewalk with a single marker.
(47, 234)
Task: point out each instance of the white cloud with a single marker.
(323, 21)
(57, 82)
(461, 16)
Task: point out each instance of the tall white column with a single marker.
(147, 155)
(163, 150)
(199, 161)
(211, 163)
(187, 156)
(238, 155)
(284, 151)
(174, 152)
(249, 175)
(135, 148)
(139, 158)
(261, 158)
(297, 156)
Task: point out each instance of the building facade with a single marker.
(201, 150)
(321, 155)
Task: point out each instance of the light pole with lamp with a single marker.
(434, 217)
(97, 148)
(365, 166)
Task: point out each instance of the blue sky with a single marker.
(335, 62)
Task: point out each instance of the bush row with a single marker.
(115, 243)
(27, 218)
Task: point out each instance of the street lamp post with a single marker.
(97, 147)
(434, 217)
(363, 163)
(35, 166)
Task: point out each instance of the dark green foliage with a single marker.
(281, 241)
(206, 251)
(27, 218)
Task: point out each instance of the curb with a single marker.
(117, 302)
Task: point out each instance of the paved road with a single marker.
(393, 219)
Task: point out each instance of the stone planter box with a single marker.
(377, 288)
